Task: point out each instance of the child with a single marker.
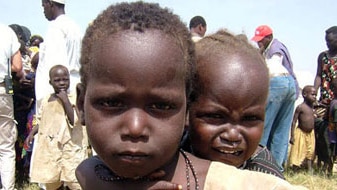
(227, 110)
(302, 136)
(136, 71)
(62, 141)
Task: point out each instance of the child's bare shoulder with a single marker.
(85, 173)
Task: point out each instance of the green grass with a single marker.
(316, 181)
(312, 182)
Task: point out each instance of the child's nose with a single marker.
(137, 126)
(231, 135)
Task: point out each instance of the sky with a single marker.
(299, 24)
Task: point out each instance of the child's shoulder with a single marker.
(88, 165)
(85, 172)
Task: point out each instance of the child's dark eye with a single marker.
(213, 116)
(108, 103)
(250, 118)
(161, 106)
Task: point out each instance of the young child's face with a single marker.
(135, 104)
(59, 79)
(311, 95)
(227, 119)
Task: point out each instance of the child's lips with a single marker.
(227, 151)
(133, 157)
(62, 89)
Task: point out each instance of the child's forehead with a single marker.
(231, 65)
(58, 70)
(133, 53)
(311, 89)
(141, 47)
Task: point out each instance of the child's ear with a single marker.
(200, 27)
(49, 82)
(304, 95)
(80, 92)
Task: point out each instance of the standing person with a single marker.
(61, 45)
(283, 91)
(135, 125)
(198, 28)
(327, 66)
(225, 122)
(332, 129)
(10, 56)
(62, 141)
(302, 136)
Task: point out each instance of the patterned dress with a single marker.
(329, 71)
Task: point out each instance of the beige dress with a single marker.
(222, 177)
(60, 146)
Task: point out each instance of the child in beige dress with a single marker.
(62, 141)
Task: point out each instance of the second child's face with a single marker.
(311, 95)
(59, 79)
(226, 121)
(135, 103)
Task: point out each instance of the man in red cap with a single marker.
(283, 91)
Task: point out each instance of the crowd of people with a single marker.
(191, 123)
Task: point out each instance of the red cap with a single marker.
(261, 32)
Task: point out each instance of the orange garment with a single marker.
(303, 147)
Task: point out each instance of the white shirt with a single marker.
(61, 46)
(8, 47)
(274, 64)
(195, 37)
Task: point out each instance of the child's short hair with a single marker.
(227, 44)
(138, 17)
(306, 89)
(51, 70)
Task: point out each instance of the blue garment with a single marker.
(278, 118)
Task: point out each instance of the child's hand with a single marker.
(162, 185)
(62, 95)
(29, 140)
(26, 82)
(165, 185)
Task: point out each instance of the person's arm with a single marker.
(16, 65)
(30, 137)
(334, 115)
(293, 124)
(68, 107)
(318, 77)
